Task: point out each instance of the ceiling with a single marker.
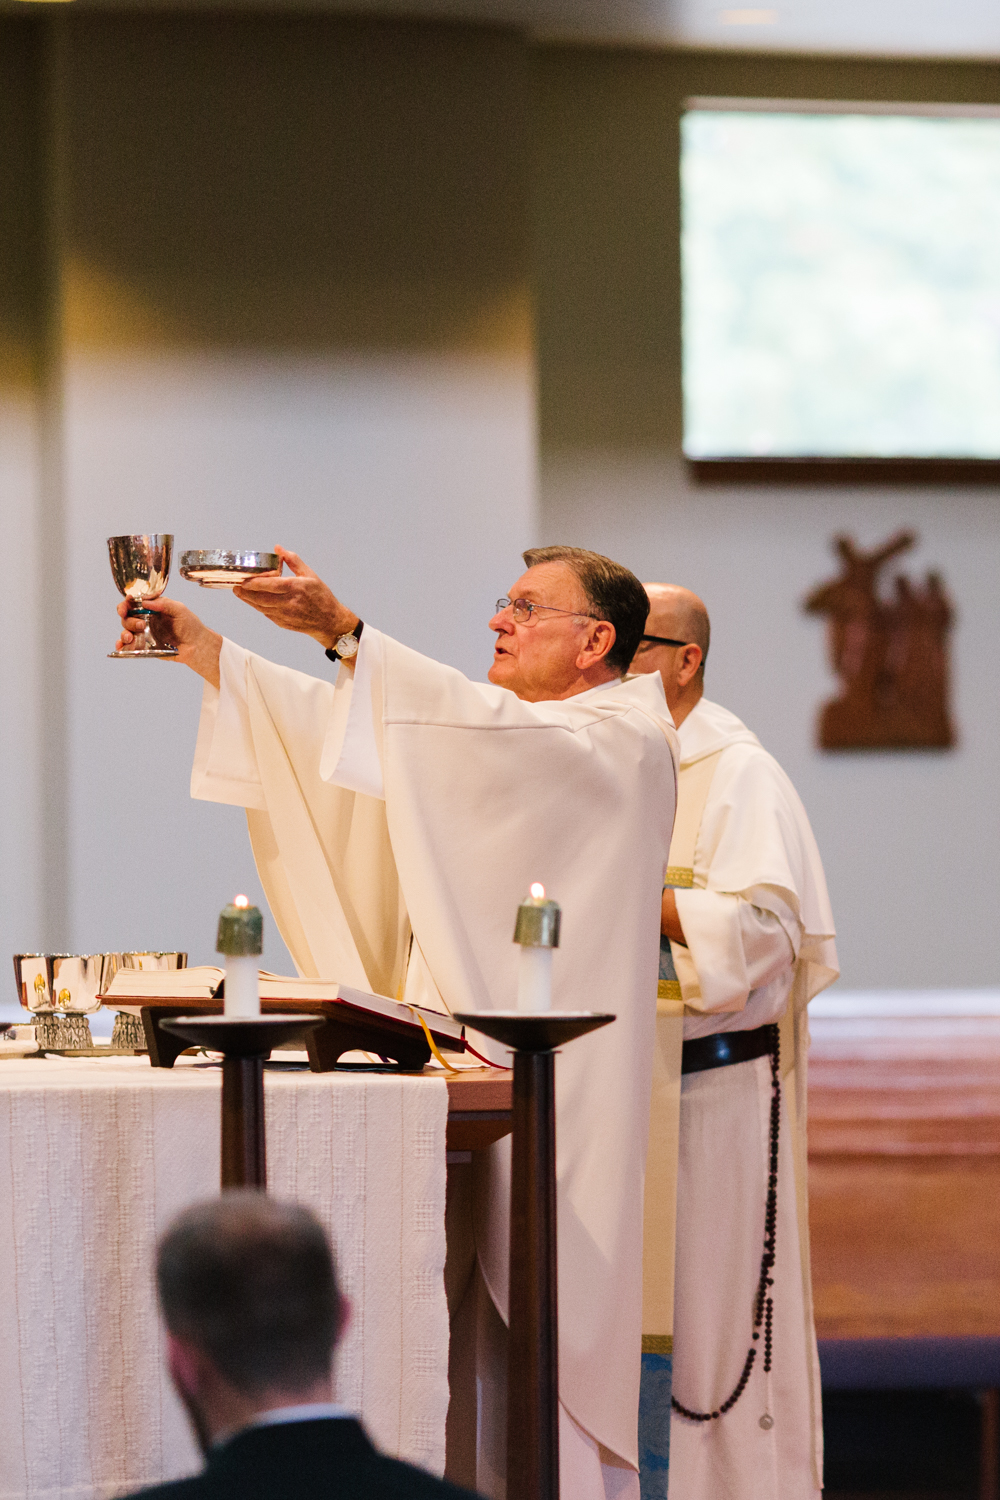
(894, 28)
(897, 28)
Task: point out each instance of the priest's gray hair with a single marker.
(612, 591)
(250, 1281)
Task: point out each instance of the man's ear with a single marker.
(184, 1362)
(599, 642)
(692, 660)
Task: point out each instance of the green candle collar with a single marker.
(241, 931)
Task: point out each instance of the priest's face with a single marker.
(539, 658)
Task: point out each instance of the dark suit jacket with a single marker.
(329, 1459)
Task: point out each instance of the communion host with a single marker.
(398, 819)
(249, 1296)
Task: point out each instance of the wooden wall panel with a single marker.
(904, 1183)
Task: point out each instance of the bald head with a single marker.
(677, 614)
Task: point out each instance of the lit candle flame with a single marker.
(241, 901)
(538, 891)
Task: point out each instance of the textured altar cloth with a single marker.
(97, 1155)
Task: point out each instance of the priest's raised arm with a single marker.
(397, 819)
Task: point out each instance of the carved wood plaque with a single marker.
(890, 653)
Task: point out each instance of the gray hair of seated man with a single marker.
(251, 1282)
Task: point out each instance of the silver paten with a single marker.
(215, 569)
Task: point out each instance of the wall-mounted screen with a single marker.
(841, 280)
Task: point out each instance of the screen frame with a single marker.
(827, 469)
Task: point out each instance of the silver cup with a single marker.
(140, 566)
(60, 990)
(128, 1033)
(67, 984)
(116, 961)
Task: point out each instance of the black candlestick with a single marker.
(244, 1044)
(533, 1345)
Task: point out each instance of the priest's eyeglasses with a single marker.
(523, 610)
(663, 640)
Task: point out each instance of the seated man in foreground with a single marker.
(249, 1295)
(398, 818)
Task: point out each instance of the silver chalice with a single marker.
(60, 990)
(128, 1033)
(140, 566)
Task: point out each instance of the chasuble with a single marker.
(752, 901)
(397, 821)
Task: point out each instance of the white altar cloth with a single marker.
(96, 1155)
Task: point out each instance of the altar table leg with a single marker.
(244, 1162)
(533, 1382)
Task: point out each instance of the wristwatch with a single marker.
(347, 646)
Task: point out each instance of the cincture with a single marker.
(723, 1048)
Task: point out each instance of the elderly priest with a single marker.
(399, 817)
(747, 942)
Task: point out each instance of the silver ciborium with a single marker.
(128, 1033)
(140, 566)
(60, 990)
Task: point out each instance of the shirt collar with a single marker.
(278, 1416)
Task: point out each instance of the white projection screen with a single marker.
(841, 280)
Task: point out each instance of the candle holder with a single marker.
(245, 1045)
(533, 1343)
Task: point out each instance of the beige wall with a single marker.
(23, 743)
(911, 842)
(284, 279)
(293, 305)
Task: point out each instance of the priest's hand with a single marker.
(301, 602)
(197, 647)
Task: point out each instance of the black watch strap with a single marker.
(331, 651)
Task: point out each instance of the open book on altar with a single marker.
(137, 987)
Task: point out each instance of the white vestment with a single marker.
(415, 801)
(759, 945)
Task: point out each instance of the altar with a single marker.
(96, 1156)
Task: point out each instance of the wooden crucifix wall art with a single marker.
(890, 653)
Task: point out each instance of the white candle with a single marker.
(534, 979)
(242, 993)
(537, 931)
(240, 940)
